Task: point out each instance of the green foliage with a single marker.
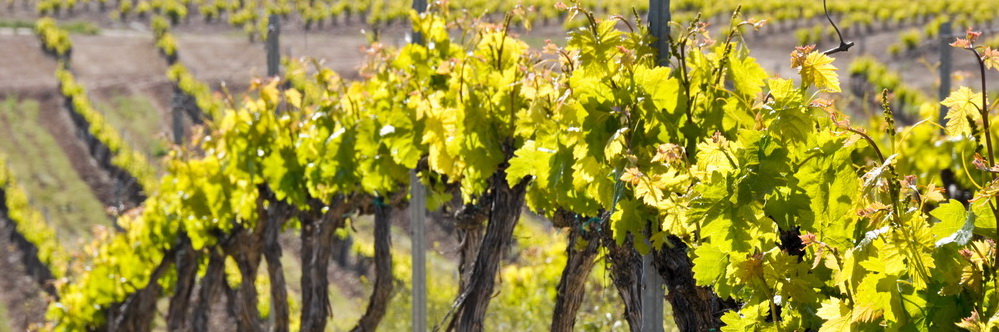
(711, 150)
(83, 28)
(739, 166)
(30, 223)
(46, 173)
(963, 111)
(207, 103)
(138, 121)
(54, 40)
(17, 24)
(133, 162)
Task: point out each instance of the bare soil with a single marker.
(23, 67)
(23, 299)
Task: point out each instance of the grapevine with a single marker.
(765, 207)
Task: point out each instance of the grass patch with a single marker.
(139, 123)
(46, 174)
(81, 28)
(526, 290)
(442, 279)
(526, 287)
(4, 321)
(76, 28)
(17, 24)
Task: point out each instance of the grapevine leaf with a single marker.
(783, 92)
(284, 175)
(869, 302)
(950, 264)
(293, 97)
(789, 206)
(675, 220)
(632, 175)
(747, 271)
(972, 323)
(663, 90)
(713, 157)
(440, 124)
(647, 192)
(985, 221)
(404, 141)
(766, 162)
(735, 322)
(791, 124)
(817, 70)
(890, 259)
(628, 218)
(726, 225)
(709, 264)
(269, 94)
(919, 251)
(529, 160)
(585, 171)
(737, 114)
(991, 58)
(747, 76)
(956, 224)
(790, 121)
(796, 280)
(831, 183)
(837, 314)
(597, 50)
(671, 181)
(616, 145)
(963, 105)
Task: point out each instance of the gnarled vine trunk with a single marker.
(469, 222)
(186, 263)
(382, 293)
(572, 287)
(317, 247)
(208, 293)
(503, 216)
(695, 308)
(137, 311)
(244, 248)
(276, 217)
(626, 272)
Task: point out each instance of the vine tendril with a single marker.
(843, 45)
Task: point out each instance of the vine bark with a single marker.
(382, 293)
(695, 308)
(504, 213)
(572, 286)
(317, 248)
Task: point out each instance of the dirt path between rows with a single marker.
(23, 300)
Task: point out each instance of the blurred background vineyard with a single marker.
(118, 55)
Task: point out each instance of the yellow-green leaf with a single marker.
(837, 316)
(818, 70)
(963, 105)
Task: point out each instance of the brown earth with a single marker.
(23, 67)
(23, 300)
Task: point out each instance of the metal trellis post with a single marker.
(946, 64)
(273, 50)
(417, 210)
(653, 293)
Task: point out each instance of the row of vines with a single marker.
(252, 15)
(763, 205)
